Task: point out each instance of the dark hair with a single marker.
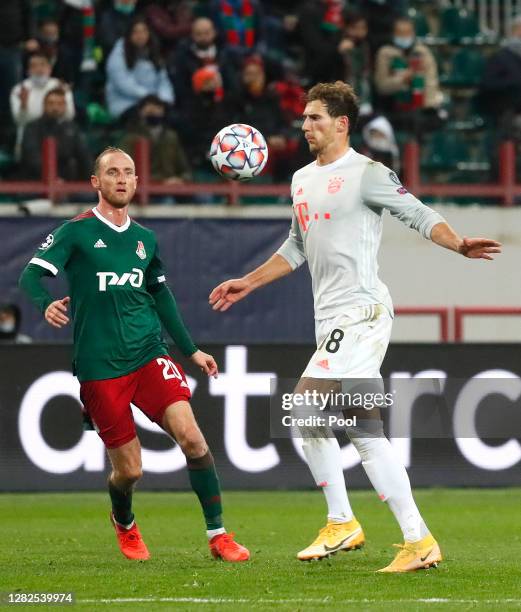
(56, 91)
(38, 54)
(152, 46)
(403, 19)
(350, 18)
(340, 99)
(152, 99)
(107, 151)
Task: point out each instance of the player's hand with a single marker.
(479, 248)
(206, 363)
(56, 312)
(227, 293)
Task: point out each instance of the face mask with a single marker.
(7, 327)
(124, 8)
(379, 143)
(403, 42)
(154, 120)
(39, 80)
(49, 40)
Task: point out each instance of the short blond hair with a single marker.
(107, 151)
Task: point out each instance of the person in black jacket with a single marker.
(74, 159)
(500, 89)
(200, 50)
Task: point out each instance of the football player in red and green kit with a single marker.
(118, 300)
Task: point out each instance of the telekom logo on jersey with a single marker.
(134, 278)
(304, 217)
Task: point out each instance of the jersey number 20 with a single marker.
(170, 369)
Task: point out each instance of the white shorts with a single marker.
(351, 345)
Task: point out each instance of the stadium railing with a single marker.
(505, 190)
(460, 312)
(441, 312)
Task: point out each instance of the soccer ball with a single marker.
(239, 152)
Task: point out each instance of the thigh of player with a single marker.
(107, 403)
(163, 395)
(351, 345)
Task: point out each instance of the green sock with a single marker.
(121, 505)
(205, 484)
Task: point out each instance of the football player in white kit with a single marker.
(338, 206)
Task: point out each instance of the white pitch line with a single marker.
(325, 600)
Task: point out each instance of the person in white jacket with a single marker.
(27, 97)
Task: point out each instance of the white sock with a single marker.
(129, 526)
(390, 480)
(211, 533)
(325, 462)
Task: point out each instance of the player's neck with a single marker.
(332, 153)
(117, 216)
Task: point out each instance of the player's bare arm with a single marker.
(206, 362)
(56, 312)
(231, 291)
(474, 248)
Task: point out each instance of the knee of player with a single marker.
(192, 443)
(130, 473)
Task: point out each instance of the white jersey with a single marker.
(337, 228)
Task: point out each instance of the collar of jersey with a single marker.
(116, 228)
(337, 162)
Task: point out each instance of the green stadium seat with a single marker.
(466, 68)
(458, 25)
(421, 24)
(444, 151)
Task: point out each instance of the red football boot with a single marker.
(224, 547)
(130, 541)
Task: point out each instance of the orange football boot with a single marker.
(224, 547)
(130, 541)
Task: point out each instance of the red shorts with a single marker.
(152, 389)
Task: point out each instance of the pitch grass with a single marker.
(64, 542)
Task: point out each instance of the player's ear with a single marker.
(94, 181)
(343, 123)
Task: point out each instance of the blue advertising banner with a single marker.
(198, 255)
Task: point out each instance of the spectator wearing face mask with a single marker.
(27, 97)
(10, 321)
(380, 143)
(406, 75)
(168, 161)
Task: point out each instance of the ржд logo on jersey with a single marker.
(47, 242)
(134, 278)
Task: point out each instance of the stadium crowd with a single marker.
(98, 72)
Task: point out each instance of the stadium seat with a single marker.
(421, 25)
(458, 25)
(444, 151)
(466, 68)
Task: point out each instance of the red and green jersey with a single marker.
(110, 270)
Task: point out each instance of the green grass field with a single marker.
(64, 542)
